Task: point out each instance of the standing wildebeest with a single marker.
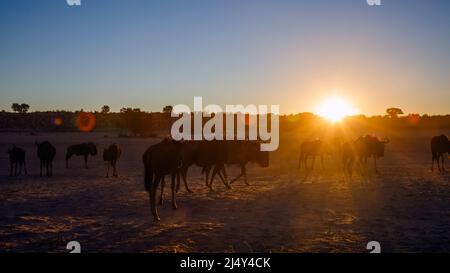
(241, 153)
(312, 148)
(17, 160)
(440, 145)
(159, 160)
(206, 154)
(46, 152)
(360, 150)
(84, 149)
(110, 156)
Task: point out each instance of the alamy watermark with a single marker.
(221, 123)
(73, 2)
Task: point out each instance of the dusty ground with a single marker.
(406, 208)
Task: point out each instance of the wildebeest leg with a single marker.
(11, 168)
(107, 168)
(114, 165)
(174, 201)
(240, 175)
(47, 168)
(152, 194)
(20, 168)
(184, 174)
(443, 165)
(85, 161)
(161, 198)
(223, 177)
(213, 175)
(207, 170)
(41, 168)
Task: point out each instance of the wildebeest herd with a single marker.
(174, 158)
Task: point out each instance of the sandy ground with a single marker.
(406, 208)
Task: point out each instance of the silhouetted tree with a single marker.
(168, 109)
(105, 109)
(20, 108)
(394, 112)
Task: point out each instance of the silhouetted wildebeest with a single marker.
(84, 149)
(210, 155)
(110, 156)
(360, 150)
(243, 152)
(159, 160)
(440, 145)
(17, 160)
(312, 149)
(46, 152)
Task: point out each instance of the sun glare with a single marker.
(335, 109)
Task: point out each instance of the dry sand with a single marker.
(406, 207)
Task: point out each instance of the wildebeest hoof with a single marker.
(156, 219)
(189, 191)
(174, 206)
(161, 202)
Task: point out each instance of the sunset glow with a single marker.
(335, 109)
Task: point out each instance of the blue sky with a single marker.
(295, 53)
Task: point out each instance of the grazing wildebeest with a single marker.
(360, 150)
(370, 146)
(17, 160)
(110, 156)
(84, 149)
(243, 152)
(159, 160)
(210, 155)
(46, 152)
(312, 149)
(440, 145)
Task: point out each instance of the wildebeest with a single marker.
(159, 160)
(243, 152)
(214, 155)
(440, 145)
(210, 155)
(84, 149)
(110, 156)
(312, 149)
(360, 150)
(17, 160)
(46, 152)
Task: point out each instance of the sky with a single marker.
(294, 53)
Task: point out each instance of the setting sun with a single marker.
(335, 109)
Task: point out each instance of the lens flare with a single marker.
(85, 122)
